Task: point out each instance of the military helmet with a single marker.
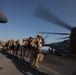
(30, 37)
(39, 35)
(12, 40)
(24, 39)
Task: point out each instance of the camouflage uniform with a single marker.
(24, 47)
(36, 50)
(7, 46)
(16, 46)
(12, 46)
(32, 50)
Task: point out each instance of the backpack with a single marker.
(33, 43)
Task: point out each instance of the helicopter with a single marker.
(3, 18)
(44, 14)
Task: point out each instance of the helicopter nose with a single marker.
(3, 18)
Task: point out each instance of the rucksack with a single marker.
(32, 43)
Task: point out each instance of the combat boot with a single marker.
(36, 66)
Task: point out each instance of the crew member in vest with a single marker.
(38, 50)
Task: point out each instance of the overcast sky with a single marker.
(21, 23)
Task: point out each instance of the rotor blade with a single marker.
(64, 38)
(46, 37)
(3, 18)
(54, 33)
(42, 13)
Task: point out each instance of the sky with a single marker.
(22, 24)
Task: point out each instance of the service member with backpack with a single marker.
(36, 45)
